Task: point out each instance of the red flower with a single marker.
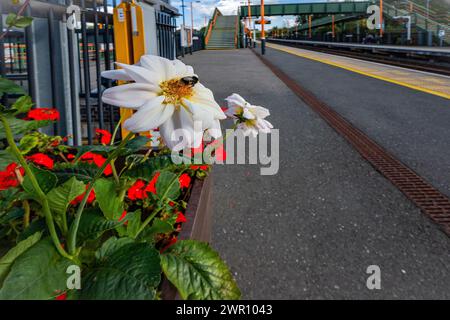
(70, 156)
(181, 218)
(78, 199)
(185, 180)
(98, 160)
(124, 214)
(201, 167)
(62, 296)
(8, 177)
(43, 114)
(104, 135)
(41, 160)
(220, 154)
(171, 243)
(152, 185)
(197, 150)
(139, 189)
(136, 191)
(171, 203)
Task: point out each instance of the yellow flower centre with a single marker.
(174, 90)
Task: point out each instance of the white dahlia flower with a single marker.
(166, 94)
(248, 118)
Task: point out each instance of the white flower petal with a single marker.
(235, 100)
(215, 131)
(140, 74)
(132, 95)
(116, 75)
(247, 114)
(182, 70)
(154, 64)
(185, 136)
(149, 116)
(170, 69)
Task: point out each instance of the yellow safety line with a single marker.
(437, 93)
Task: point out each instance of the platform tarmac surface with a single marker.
(311, 231)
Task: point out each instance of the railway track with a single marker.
(415, 62)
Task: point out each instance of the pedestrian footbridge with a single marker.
(222, 32)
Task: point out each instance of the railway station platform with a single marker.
(422, 81)
(328, 213)
(420, 50)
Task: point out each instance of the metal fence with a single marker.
(60, 67)
(165, 30)
(198, 44)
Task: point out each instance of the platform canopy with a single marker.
(357, 7)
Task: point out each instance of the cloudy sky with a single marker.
(205, 8)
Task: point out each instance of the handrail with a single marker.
(211, 25)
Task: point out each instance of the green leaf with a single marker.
(23, 22)
(38, 225)
(23, 104)
(28, 143)
(93, 225)
(110, 246)
(60, 197)
(11, 19)
(6, 158)
(135, 144)
(46, 180)
(108, 200)
(168, 186)
(14, 213)
(19, 126)
(158, 227)
(134, 223)
(83, 171)
(39, 273)
(7, 260)
(130, 273)
(8, 86)
(147, 169)
(198, 273)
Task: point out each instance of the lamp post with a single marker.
(263, 33)
(184, 19)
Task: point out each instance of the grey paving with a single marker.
(311, 231)
(413, 125)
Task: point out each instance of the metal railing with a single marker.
(60, 67)
(166, 27)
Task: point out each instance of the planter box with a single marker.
(198, 226)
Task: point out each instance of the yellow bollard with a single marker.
(129, 40)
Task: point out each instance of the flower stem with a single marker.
(26, 216)
(114, 171)
(41, 195)
(116, 129)
(72, 239)
(147, 221)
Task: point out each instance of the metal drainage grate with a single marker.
(430, 200)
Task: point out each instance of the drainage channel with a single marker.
(431, 201)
